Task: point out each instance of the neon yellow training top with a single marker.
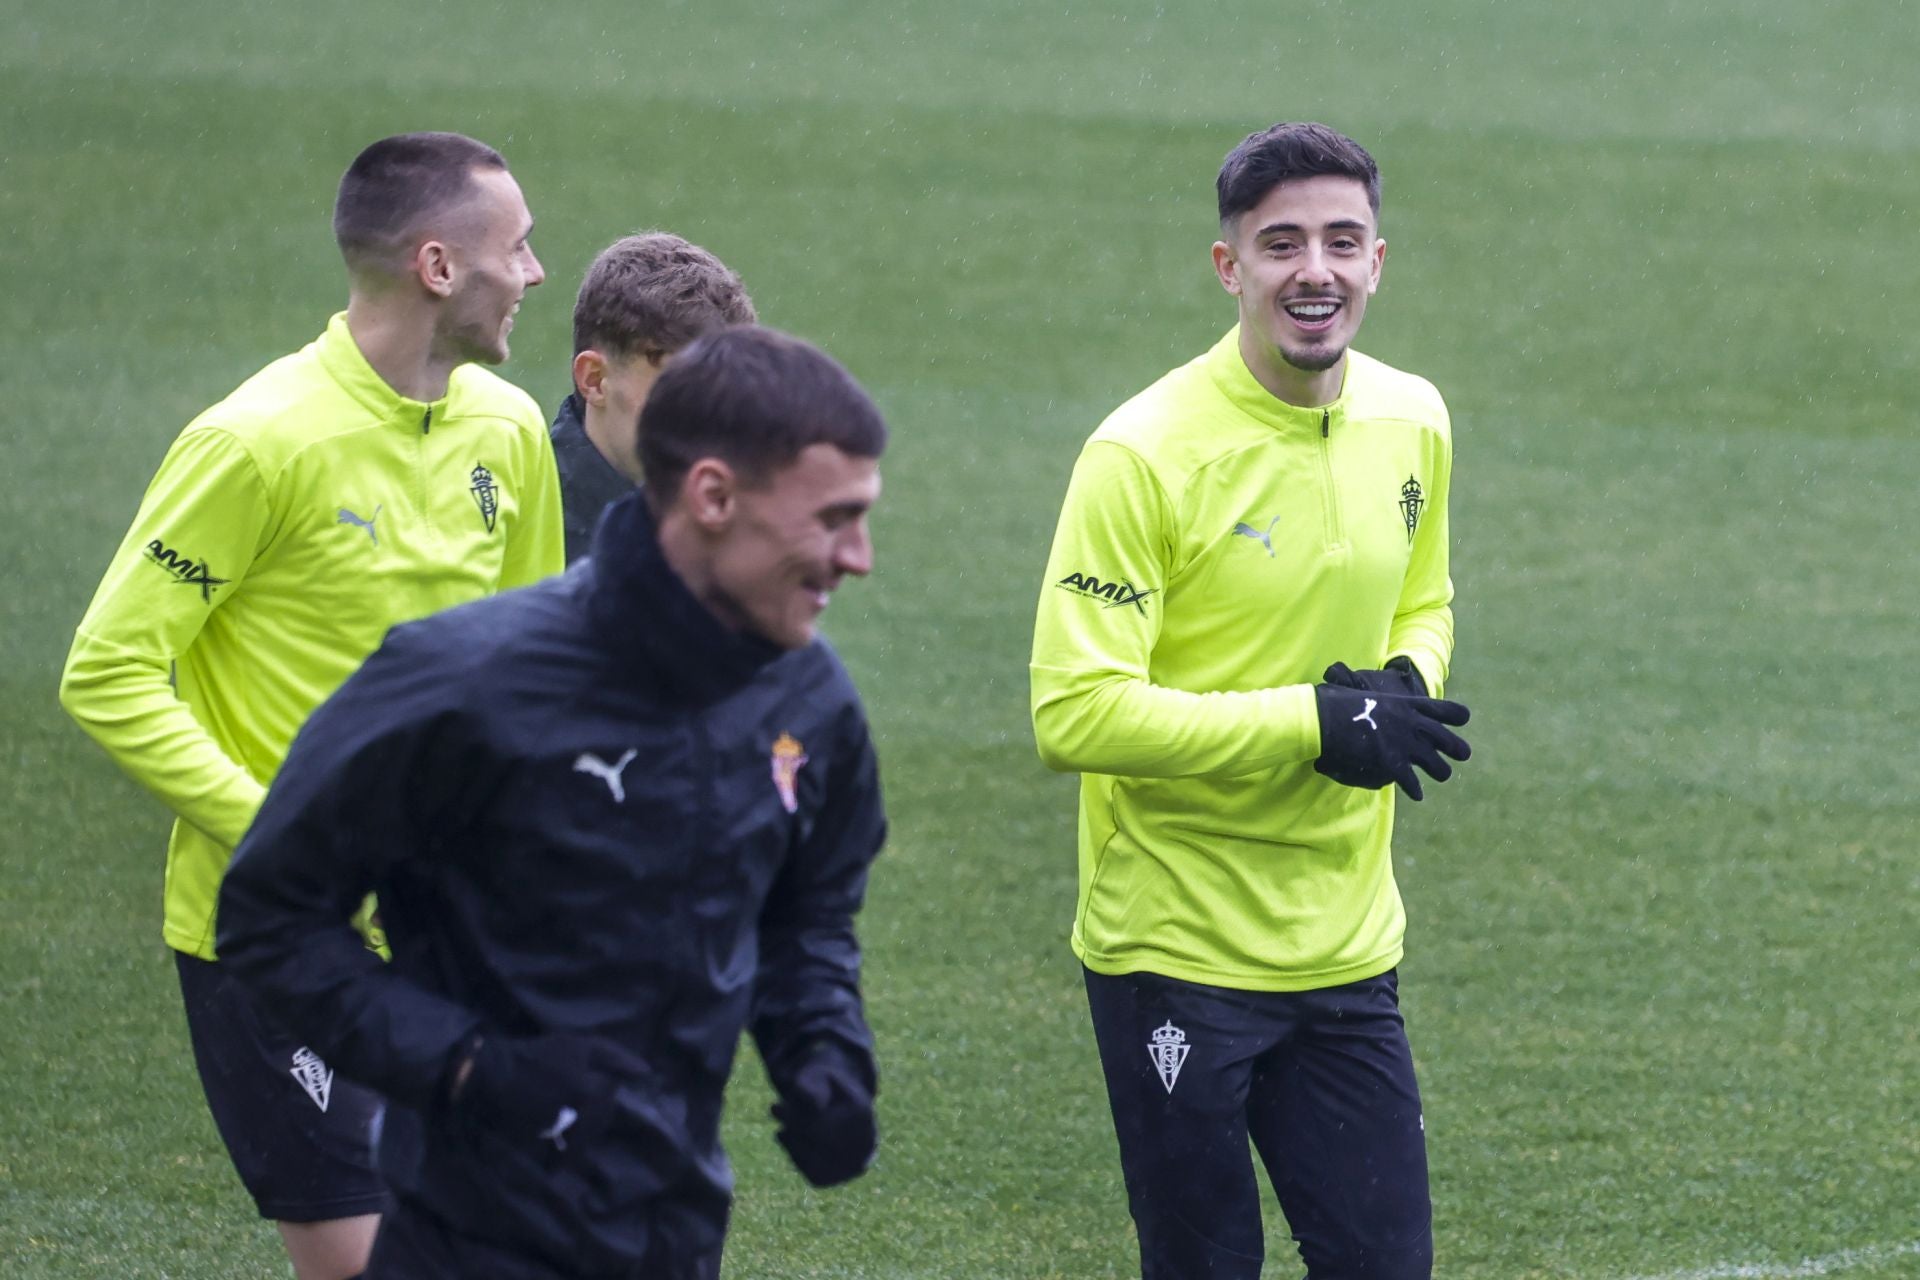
(288, 528)
(1217, 550)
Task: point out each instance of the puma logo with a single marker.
(1245, 530)
(607, 773)
(1366, 713)
(348, 517)
(561, 1123)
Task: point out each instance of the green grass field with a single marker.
(1662, 965)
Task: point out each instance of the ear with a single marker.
(1379, 260)
(1226, 267)
(433, 267)
(709, 494)
(590, 377)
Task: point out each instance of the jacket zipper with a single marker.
(420, 474)
(1336, 533)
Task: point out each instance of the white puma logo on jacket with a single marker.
(607, 773)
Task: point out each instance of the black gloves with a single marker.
(552, 1090)
(826, 1120)
(1398, 676)
(1372, 735)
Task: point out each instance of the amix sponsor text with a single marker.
(1112, 594)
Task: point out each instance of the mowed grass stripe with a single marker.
(1526, 270)
(1843, 1262)
(1640, 69)
(1659, 924)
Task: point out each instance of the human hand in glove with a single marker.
(826, 1120)
(555, 1091)
(1374, 739)
(1399, 675)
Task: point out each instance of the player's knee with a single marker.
(1222, 1247)
(1412, 1262)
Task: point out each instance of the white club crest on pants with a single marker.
(1168, 1048)
(315, 1076)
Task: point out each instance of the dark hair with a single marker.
(652, 293)
(396, 183)
(1285, 152)
(753, 398)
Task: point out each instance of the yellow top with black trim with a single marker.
(1216, 551)
(288, 528)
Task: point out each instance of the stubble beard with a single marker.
(1313, 359)
(473, 344)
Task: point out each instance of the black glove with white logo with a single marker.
(826, 1120)
(1374, 739)
(552, 1091)
(1399, 675)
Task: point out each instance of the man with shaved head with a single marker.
(375, 476)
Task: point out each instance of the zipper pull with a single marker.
(426, 423)
(1326, 416)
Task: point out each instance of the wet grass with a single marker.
(1661, 962)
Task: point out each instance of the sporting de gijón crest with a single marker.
(1168, 1048)
(486, 494)
(314, 1075)
(1412, 501)
(786, 759)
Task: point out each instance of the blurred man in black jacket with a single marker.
(612, 820)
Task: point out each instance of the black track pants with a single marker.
(1321, 1081)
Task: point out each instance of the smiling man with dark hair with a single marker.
(613, 820)
(1275, 510)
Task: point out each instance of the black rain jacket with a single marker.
(589, 484)
(706, 885)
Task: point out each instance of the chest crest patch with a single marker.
(787, 758)
(1412, 502)
(486, 494)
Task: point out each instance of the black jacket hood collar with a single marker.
(643, 608)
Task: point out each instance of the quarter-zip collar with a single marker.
(642, 608)
(1229, 371)
(344, 362)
